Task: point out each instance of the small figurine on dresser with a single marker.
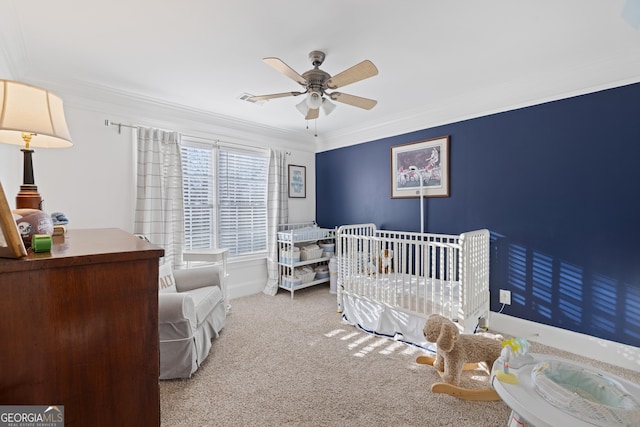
(60, 222)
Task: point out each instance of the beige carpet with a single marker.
(284, 362)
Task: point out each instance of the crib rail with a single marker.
(417, 273)
(475, 274)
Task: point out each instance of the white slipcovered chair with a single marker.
(191, 313)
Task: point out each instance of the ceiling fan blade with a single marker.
(283, 68)
(313, 113)
(272, 96)
(356, 101)
(358, 72)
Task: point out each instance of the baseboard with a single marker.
(617, 354)
(244, 289)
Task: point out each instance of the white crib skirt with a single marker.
(383, 320)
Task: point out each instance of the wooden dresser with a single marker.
(79, 328)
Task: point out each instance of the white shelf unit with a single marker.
(299, 235)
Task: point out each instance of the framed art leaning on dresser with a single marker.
(11, 245)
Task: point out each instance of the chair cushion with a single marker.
(193, 278)
(166, 281)
(205, 299)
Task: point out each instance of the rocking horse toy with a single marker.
(456, 352)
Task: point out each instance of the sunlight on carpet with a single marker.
(357, 340)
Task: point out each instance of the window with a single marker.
(242, 193)
(225, 198)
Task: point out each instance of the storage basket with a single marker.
(327, 246)
(306, 274)
(322, 272)
(291, 281)
(328, 249)
(308, 277)
(310, 252)
(289, 257)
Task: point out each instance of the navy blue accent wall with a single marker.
(557, 186)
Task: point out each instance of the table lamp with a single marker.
(32, 117)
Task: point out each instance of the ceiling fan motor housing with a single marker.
(316, 57)
(316, 79)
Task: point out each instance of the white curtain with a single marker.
(159, 206)
(277, 213)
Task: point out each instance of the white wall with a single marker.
(93, 181)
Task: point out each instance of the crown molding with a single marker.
(482, 103)
(144, 110)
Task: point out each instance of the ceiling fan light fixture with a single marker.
(327, 106)
(314, 99)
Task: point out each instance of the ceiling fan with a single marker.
(316, 83)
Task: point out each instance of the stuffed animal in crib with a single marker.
(454, 349)
(384, 262)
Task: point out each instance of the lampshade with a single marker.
(327, 106)
(302, 107)
(26, 109)
(31, 117)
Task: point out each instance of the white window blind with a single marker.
(198, 189)
(242, 192)
(225, 198)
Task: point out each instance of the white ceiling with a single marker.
(438, 61)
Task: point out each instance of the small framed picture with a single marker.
(297, 181)
(421, 166)
(11, 244)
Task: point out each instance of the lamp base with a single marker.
(28, 197)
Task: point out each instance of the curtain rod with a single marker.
(108, 123)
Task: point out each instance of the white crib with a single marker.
(390, 281)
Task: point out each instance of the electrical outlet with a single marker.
(505, 297)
